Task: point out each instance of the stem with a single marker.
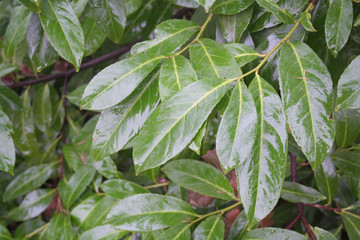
(323, 207)
(216, 212)
(37, 230)
(293, 222)
(157, 185)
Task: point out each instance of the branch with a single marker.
(323, 207)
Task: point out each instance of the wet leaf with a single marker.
(211, 228)
(297, 193)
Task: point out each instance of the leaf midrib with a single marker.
(210, 59)
(213, 227)
(34, 203)
(302, 194)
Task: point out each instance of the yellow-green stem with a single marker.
(157, 185)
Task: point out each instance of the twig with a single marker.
(293, 222)
(157, 185)
(324, 207)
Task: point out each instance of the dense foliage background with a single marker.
(180, 119)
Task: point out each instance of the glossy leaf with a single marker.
(212, 228)
(283, 15)
(326, 179)
(237, 130)
(211, 59)
(261, 176)
(42, 109)
(175, 73)
(63, 30)
(79, 6)
(297, 193)
(306, 22)
(199, 177)
(117, 81)
(4, 233)
(119, 124)
(132, 5)
(195, 145)
(273, 234)
(60, 227)
(29, 180)
(107, 168)
(77, 184)
(110, 16)
(104, 232)
(41, 52)
(190, 107)
(185, 3)
(242, 53)
(180, 231)
(238, 228)
(75, 96)
(206, 3)
(230, 7)
(347, 126)
(33, 204)
(5, 69)
(170, 36)
(234, 26)
(338, 25)
(348, 162)
(321, 234)
(7, 150)
(33, 5)
(149, 212)
(352, 223)
(306, 89)
(348, 95)
(119, 188)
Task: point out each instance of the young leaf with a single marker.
(352, 223)
(33, 204)
(242, 53)
(63, 29)
(60, 227)
(119, 124)
(219, 62)
(4, 233)
(231, 7)
(305, 19)
(149, 212)
(338, 24)
(180, 231)
(237, 129)
(348, 95)
(117, 81)
(326, 179)
(297, 193)
(170, 36)
(7, 149)
(42, 109)
(33, 5)
(307, 108)
(321, 234)
(260, 177)
(177, 120)
(104, 232)
(282, 15)
(273, 234)
(348, 162)
(212, 228)
(347, 126)
(110, 16)
(175, 73)
(199, 177)
(120, 189)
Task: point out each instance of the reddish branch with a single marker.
(324, 207)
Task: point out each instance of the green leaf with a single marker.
(63, 30)
(338, 24)
(326, 179)
(175, 73)
(347, 126)
(119, 188)
(307, 108)
(297, 193)
(260, 177)
(234, 26)
(321, 234)
(14, 47)
(117, 81)
(199, 177)
(60, 227)
(29, 180)
(28, 227)
(4, 233)
(41, 52)
(94, 36)
(107, 168)
(79, 6)
(10, 102)
(132, 5)
(42, 109)
(237, 129)
(211, 59)
(282, 15)
(206, 3)
(305, 19)
(242, 53)
(92, 211)
(238, 228)
(7, 149)
(212, 228)
(71, 191)
(75, 96)
(195, 145)
(33, 204)
(190, 107)
(180, 231)
(230, 7)
(5, 69)
(185, 3)
(357, 21)
(33, 5)
(273, 234)
(104, 232)
(110, 16)
(348, 162)
(170, 36)
(348, 94)
(352, 223)
(149, 212)
(119, 124)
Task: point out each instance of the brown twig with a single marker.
(324, 207)
(293, 222)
